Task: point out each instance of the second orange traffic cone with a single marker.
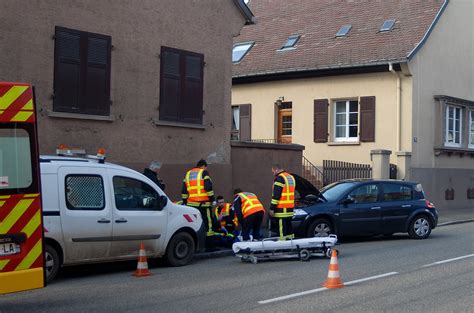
(142, 266)
(334, 278)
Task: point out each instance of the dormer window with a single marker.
(291, 42)
(240, 50)
(387, 25)
(344, 30)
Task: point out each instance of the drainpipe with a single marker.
(399, 106)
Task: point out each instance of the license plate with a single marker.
(9, 248)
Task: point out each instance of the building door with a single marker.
(285, 122)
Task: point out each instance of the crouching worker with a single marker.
(228, 223)
(249, 212)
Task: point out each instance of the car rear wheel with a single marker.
(320, 227)
(52, 263)
(420, 227)
(180, 249)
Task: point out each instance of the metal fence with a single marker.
(312, 173)
(338, 170)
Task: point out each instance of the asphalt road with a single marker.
(390, 275)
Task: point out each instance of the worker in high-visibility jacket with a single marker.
(226, 215)
(283, 201)
(197, 192)
(249, 212)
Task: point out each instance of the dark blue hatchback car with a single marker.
(363, 207)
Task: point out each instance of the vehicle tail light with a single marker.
(429, 204)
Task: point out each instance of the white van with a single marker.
(97, 212)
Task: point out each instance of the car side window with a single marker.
(397, 192)
(134, 195)
(84, 192)
(365, 194)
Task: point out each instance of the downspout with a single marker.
(399, 105)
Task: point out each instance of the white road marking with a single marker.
(307, 292)
(449, 260)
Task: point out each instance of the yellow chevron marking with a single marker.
(30, 195)
(31, 257)
(22, 116)
(2, 203)
(28, 105)
(11, 95)
(5, 197)
(15, 215)
(32, 224)
(3, 263)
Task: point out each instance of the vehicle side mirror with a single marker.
(162, 202)
(348, 200)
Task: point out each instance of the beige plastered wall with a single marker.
(302, 92)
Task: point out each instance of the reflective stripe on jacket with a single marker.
(250, 204)
(286, 201)
(195, 186)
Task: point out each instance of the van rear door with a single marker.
(136, 218)
(86, 215)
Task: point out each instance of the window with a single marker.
(15, 159)
(346, 121)
(387, 25)
(134, 195)
(453, 126)
(240, 50)
(81, 72)
(84, 192)
(285, 122)
(291, 42)
(344, 30)
(471, 129)
(365, 194)
(395, 192)
(235, 133)
(181, 86)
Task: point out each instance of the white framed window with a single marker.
(346, 121)
(453, 126)
(240, 50)
(471, 130)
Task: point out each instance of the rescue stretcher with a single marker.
(275, 249)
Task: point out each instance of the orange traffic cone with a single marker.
(142, 266)
(334, 278)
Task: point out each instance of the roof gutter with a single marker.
(428, 32)
(246, 12)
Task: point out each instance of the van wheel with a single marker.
(51, 260)
(180, 250)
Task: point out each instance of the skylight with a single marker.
(291, 42)
(344, 30)
(387, 25)
(240, 50)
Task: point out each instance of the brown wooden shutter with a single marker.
(367, 119)
(191, 108)
(96, 99)
(170, 85)
(245, 122)
(67, 70)
(321, 120)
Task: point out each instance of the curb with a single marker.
(456, 222)
(213, 255)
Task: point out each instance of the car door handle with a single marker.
(406, 206)
(103, 221)
(375, 208)
(122, 220)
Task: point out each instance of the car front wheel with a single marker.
(320, 227)
(420, 227)
(180, 249)
(51, 257)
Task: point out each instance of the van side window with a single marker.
(134, 195)
(395, 192)
(84, 192)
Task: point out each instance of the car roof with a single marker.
(57, 160)
(368, 180)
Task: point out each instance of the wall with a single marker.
(443, 66)
(252, 166)
(138, 32)
(302, 92)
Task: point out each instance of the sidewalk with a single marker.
(446, 217)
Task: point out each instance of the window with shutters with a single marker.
(181, 86)
(235, 130)
(81, 72)
(346, 121)
(453, 126)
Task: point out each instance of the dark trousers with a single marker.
(284, 227)
(209, 225)
(252, 223)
